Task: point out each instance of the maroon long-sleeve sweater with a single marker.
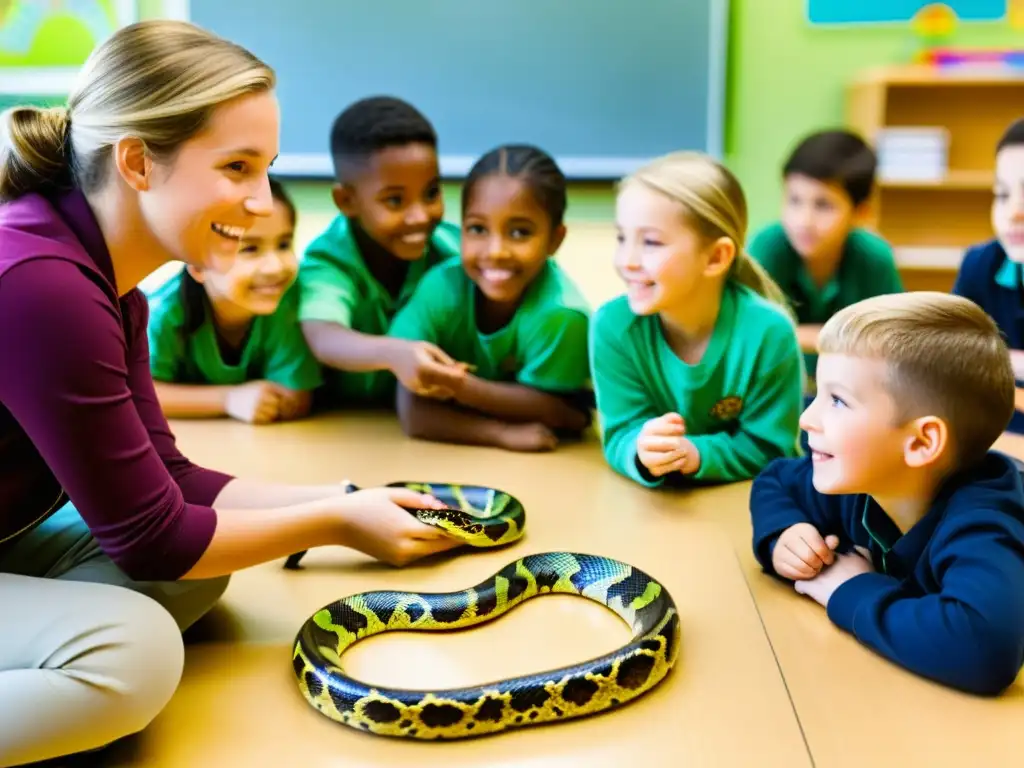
(79, 417)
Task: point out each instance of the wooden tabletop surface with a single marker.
(763, 678)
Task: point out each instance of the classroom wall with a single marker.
(785, 78)
(150, 9)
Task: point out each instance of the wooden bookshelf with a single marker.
(928, 221)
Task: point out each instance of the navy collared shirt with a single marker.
(946, 598)
(993, 282)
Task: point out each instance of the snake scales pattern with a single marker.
(487, 517)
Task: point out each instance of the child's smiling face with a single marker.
(257, 277)
(507, 237)
(661, 258)
(856, 442)
(396, 199)
(1008, 201)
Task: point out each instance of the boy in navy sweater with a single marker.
(990, 273)
(902, 522)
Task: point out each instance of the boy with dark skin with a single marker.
(365, 266)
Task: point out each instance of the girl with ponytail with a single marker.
(111, 541)
(696, 369)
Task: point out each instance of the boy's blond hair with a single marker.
(945, 357)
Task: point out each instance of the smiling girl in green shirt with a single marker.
(697, 369)
(507, 312)
(226, 341)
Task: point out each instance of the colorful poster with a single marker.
(898, 11)
(1016, 14)
(42, 42)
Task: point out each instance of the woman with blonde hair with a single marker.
(111, 541)
(696, 369)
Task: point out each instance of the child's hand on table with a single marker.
(532, 437)
(801, 552)
(845, 567)
(294, 404)
(255, 402)
(662, 447)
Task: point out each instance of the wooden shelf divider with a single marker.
(927, 220)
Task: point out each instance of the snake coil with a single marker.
(486, 517)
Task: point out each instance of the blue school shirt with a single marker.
(993, 282)
(947, 598)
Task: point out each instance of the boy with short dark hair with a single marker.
(902, 522)
(817, 253)
(356, 275)
(990, 273)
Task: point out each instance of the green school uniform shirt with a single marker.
(274, 350)
(335, 286)
(543, 346)
(867, 268)
(741, 403)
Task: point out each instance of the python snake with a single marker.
(552, 696)
(479, 516)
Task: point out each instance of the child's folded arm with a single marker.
(782, 496)
(623, 403)
(183, 401)
(556, 361)
(327, 300)
(518, 403)
(970, 635)
(338, 346)
(427, 419)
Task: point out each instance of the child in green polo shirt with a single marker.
(356, 275)
(507, 312)
(817, 253)
(697, 369)
(225, 340)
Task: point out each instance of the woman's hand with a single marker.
(374, 522)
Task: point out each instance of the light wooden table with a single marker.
(724, 705)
